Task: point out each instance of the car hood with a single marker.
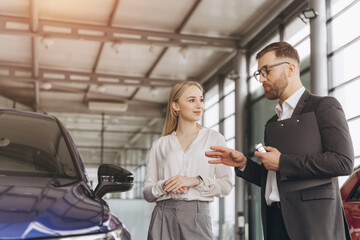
(33, 207)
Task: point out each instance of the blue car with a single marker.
(44, 189)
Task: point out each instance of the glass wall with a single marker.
(211, 120)
(220, 115)
(211, 114)
(228, 103)
(343, 54)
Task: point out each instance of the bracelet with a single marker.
(200, 178)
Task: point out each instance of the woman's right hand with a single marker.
(179, 184)
(181, 190)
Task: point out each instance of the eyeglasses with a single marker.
(264, 71)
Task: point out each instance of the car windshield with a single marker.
(33, 146)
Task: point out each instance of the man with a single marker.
(313, 212)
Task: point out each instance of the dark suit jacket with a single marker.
(316, 212)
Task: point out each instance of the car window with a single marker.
(33, 146)
(355, 195)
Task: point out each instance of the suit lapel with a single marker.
(301, 104)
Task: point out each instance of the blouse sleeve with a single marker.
(221, 184)
(152, 184)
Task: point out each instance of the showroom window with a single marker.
(344, 73)
(211, 114)
(229, 134)
(220, 115)
(211, 120)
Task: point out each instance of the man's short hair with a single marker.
(281, 49)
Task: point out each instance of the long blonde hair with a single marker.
(171, 120)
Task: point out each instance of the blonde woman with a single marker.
(178, 175)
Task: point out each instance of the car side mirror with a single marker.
(112, 178)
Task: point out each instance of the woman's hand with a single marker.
(179, 184)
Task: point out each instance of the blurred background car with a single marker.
(44, 189)
(350, 194)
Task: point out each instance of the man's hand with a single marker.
(226, 156)
(270, 159)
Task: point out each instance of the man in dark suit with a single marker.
(313, 212)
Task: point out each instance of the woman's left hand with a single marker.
(174, 184)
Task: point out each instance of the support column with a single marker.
(221, 79)
(240, 103)
(34, 6)
(37, 96)
(318, 60)
(102, 138)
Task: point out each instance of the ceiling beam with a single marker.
(216, 67)
(157, 60)
(143, 132)
(69, 30)
(86, 95)
(53, 75)
(134, 109)
(110, 22)
(188, 16)
(134, 94)
(255, 26)
(177, 31)
(112, 148)
(24, 95)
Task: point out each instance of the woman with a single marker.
(178, 175)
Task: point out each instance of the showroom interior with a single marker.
(105, 69)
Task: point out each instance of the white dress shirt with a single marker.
(167, 159)
(285, 111)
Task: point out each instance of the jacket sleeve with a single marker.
(254, 171)
(337, 158)
(251, 173)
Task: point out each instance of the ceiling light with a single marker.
(101, 88)
(46, 85)
(232, 75)
(116, 46)
(47, 41)
(183, 51)
(151, 49)
(154, 91)
(4, 142)
(310, 13)
(104, 106)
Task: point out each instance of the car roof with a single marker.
(27, 113)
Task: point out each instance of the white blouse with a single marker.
(167, 159)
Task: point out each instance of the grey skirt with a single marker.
(180, 220)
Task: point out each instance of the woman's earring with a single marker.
(176, 113)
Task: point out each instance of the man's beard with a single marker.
(277, 88)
